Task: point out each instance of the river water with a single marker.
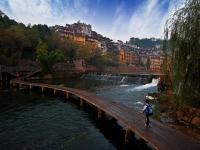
(30, 120)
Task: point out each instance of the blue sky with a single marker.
(117, 19)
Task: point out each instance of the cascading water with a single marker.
(154, 83)
(122, 80)
(125, 80)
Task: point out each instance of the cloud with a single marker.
(46, 11)
(148, 20)
(145, 21)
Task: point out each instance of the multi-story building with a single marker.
(143, 60)
(155, 62)
(77, 31)
(82, 28)
(121, 56)
(135, 59)
(128, 57)
(79, 38)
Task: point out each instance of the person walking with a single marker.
(148, 111)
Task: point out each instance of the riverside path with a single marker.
(158, 136)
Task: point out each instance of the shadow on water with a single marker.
(107, 125)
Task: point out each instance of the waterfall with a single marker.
(114, 78)
(153, 83)
(122, 80)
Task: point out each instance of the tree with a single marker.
(13, 42)
(47, 59)
(184, 32)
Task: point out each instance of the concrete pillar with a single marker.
(43, 89)
(67, 95)
(99, 113)
(30, 87)
(54, 92)
(13, 84)
(127, 135)
(6, 77)
(81, 102)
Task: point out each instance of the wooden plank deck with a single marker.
(158, 135)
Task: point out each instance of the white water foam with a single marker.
(139, 103)
(122, 80)
(154, 83)
(124, 85)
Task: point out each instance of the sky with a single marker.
(116, 19)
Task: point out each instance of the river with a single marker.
(30, 120)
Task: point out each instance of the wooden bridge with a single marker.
(158, 136)
(17, 71)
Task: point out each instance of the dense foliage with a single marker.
(47, 59)
(18, 41)
(184, 32)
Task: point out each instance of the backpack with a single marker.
(149, 110)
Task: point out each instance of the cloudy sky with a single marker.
(117, 19)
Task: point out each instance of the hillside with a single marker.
(147, 43)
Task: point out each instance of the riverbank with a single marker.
(185, 119)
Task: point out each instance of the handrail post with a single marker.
(99, 113)
(81, 102)
(67, 95)
(127, 135)
(43, 89)
(20, 85)
(11, 83)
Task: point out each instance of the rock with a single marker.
(48, 76)
(188, 116)
(192, 110)
(179, 114)
(196, 122)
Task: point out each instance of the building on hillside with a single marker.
(128, 57)
(95, 42)
(143, 60)
(121, 56)
(79, 65)
(79, 38)
(77, 31)
(103, 48)
(135, 59)
(155, 62)
(120, 42)
(2, 14)
(82, 28)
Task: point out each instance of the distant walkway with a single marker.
(158, 136)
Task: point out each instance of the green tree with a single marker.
(184, 31)
(47, 59)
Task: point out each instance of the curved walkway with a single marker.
(158, 136)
